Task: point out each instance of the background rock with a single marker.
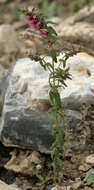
(78, 32)
(8, 40)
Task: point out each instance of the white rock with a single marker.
(8, 39)
(82, 83)
(90, 159)
(27, 102)
(85, 167)
(4, 186)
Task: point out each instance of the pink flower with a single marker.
(35, 18)
(29, 20)
(36, 24)
(42, 33)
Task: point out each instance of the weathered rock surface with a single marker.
(25, 121)
(78, 32)
(25, 162)
(90, 159)
(69, 186)
(8, 40)
(4, 81)
(1, 73)
(4, 186)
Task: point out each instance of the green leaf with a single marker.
(55, 38)
(63, 61)
(40, 178)
(49, 8)
(63, 83)
(90, 179)
(51, 30)
(49, 65)
(53, 55)
(51, 97)
(55, 97)
(43, 65)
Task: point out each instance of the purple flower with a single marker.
(36, 24)
(29, 20)
(42, 33)
(35, 18)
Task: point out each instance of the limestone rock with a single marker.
(25, 121)
(61, 188)
(25, 162)
(8, 39)
(1, 70)
(85, 167)
(4, 186)
(76, 32)
(90, 159)
(4, 81)
(77, 183)
(88, 188)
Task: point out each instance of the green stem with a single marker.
(53, 65)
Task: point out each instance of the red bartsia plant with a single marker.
(57, 77)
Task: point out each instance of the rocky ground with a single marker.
(20, 168)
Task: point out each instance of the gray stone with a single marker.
(26, 129)
(4, 81)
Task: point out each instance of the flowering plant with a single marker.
(57, 76)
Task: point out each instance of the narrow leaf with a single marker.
(53, 55)
(51, 30)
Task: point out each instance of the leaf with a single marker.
(51, 97)
(43, 65)
(51, 30)
(63, 61)
(90, 179)
(44, 180)
(55, 97)
(53, 55)
(55, 38)
(49, 65)
(50, 9)
(63, 82)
